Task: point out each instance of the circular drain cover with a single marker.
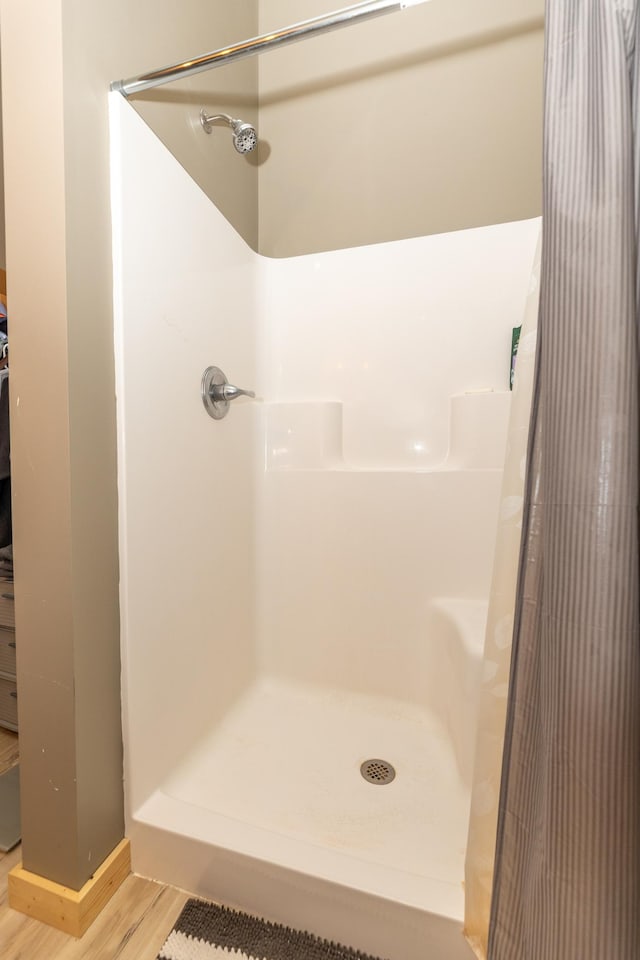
(377, 771)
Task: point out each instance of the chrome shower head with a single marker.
(245, 138)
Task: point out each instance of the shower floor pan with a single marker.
(270, 814)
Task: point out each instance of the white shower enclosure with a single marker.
(305, 582)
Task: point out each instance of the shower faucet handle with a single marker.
(217, 392)
(227, 391)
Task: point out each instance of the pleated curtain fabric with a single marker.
(567, 868)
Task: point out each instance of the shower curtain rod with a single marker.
(249, 48)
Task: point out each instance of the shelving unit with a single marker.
(8, 690)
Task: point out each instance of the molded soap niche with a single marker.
(478, 426)
(303, 436)
(308, 435)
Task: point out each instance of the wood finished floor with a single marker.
(133, 925)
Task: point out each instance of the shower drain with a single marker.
(377, 771)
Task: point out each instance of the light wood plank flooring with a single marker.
(133, 925)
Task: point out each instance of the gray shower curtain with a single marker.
(567, 873)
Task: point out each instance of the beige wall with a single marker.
(58, 57)
(173, 111)
(419, 122)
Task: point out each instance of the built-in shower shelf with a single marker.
(310, 435)
(303, 436)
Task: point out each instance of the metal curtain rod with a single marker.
(249, 48)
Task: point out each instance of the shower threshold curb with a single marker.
(256, 884)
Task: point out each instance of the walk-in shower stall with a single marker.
(305, 579)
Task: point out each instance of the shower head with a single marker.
(244, 134)
(245, 138)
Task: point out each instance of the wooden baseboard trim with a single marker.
(72, 911)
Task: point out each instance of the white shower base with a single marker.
(287, 760)
(278, 820)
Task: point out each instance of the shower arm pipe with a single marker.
(268, 41)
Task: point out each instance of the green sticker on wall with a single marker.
(515, 340)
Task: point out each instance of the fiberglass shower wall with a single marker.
(304, 535)
(185, 299)
(385, 369)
